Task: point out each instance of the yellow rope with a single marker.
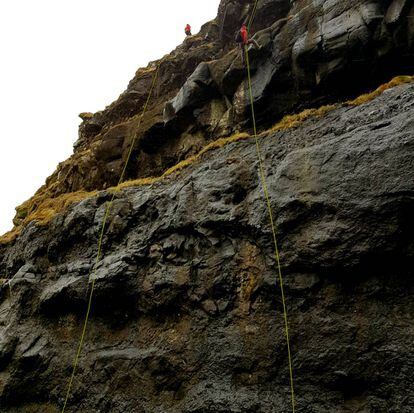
(253, 15)
(92, 278)
(273, 226)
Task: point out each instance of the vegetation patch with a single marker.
(367, 97)
(10, 236)
(42, 209)
(145, 70)
(219, 143)
(293, 121)
(50, 207)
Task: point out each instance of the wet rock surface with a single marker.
(187, 315)
(326, 52)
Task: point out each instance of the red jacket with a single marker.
(243, 34)
(187, 28)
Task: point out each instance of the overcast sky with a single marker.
(63, 57)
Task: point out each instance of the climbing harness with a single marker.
(92, 277)
(272, 223)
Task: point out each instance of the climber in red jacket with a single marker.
(242, 38)
(188, 30)
(243, 34)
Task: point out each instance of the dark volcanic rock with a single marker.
(326, 51)
(187, 315)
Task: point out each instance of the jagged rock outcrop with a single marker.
(187, 315)
(326, 52)
(187, 312)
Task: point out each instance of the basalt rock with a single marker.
(324, 52)
(187, 315)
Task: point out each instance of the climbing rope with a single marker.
(92, 277)
(273, 227)
(253, 15)
(272, 223)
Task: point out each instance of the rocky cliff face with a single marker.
(187, 313)
(327, 51)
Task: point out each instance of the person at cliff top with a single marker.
(188, 30)
(242, 38)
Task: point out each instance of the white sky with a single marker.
(63, 57)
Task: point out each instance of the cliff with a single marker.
(187, 315)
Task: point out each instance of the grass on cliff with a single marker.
(50, 207)
(219, 143)
(10, 236)
(293, 121)
(42, 208)
(367, 97)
